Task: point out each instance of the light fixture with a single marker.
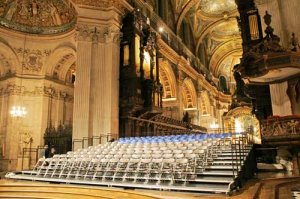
(169, 99)
(18, 111)
(161, 29)
(214, 125)
(190, 109)
(238, 126)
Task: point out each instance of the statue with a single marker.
(186, 117)
(240, 85)
(295, 43)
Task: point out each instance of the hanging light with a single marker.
(18, 111)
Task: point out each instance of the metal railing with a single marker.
(32, 156)
(138, 127)
(238, 152)
(91, 141)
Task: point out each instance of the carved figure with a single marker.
(295, 43)
(34, 8)
(267, 18)
(24, 141)
(240, 85)
(55, 16)
(24, 10)
(11, 10)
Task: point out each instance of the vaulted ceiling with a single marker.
(215, 34)
(215, 29)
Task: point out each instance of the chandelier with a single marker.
(18, 111)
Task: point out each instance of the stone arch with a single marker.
(60, 61)
(243, 116)
(168, 80)
(9, 61)
(205, 103)
(186, 8)
(189, 95)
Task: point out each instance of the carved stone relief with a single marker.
(33, 59)
(25, 139)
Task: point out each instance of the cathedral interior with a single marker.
(86, 76)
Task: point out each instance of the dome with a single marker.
(37, 16)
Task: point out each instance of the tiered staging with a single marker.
(194, 162)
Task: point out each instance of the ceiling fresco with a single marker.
(216, 7)
(33, 16)
(225, 30)
(214, 26)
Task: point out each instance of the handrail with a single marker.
(90, 140)
(154, 122)
(238, 153)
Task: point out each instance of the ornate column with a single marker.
(96, 94)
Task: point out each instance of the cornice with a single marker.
(121, 5)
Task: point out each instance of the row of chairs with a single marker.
(173, 138)
(168, 162)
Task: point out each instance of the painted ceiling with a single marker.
(215, 28)
(35, 16)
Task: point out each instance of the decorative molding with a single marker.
(121, 5)
(48, 91)
(280, 127)
(95, 34)
(33, 59)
